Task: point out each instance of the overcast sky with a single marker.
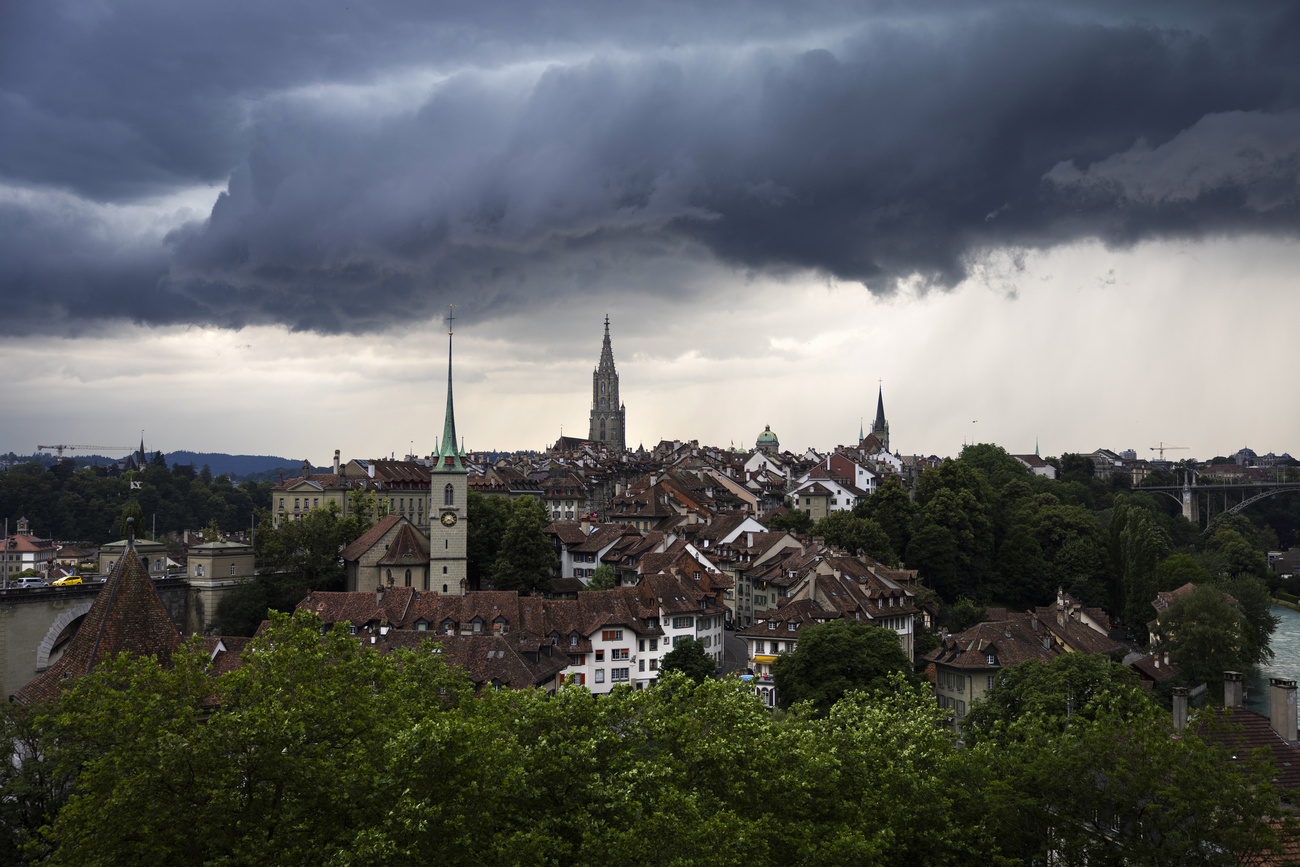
(238, 225)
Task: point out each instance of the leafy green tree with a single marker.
(603, 579)
(689, 657)
(1110, 785)
(844, 529)
(1053, 694)
(1178, 569)
(1077, 468)
(792, 520)
(995, 463)
(963, 614)
(297, 557)
(836, 657)
(1229, 553)
(1206, 635)
(526, 559)
(1256, 605)
(892, 508)
(132, 511)
(1022, 570)
(487, 517)
(1139, 546)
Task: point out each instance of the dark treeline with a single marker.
(324, 752)
(88, 504)
(983, 530)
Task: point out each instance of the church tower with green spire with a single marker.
(448, 494)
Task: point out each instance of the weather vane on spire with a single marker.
(451, 317)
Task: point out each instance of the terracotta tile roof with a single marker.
(1011, 642)
(1154, 669)
(127, 616)
(488, 660)
(568, 532)
(25, 543)
(1241, 729)
(367, 539)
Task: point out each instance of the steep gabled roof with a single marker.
(408, 548)
(370, 537)
(127, 616)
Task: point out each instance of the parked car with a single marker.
(68, 582)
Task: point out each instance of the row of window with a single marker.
(616, 675)
(199, 569)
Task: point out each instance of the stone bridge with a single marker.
(1204, 501)
(32, 619)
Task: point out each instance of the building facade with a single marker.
(608, 414)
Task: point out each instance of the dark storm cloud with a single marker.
(581, 151)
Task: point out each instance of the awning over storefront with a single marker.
(765, 660)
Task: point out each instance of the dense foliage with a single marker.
(323, 752)
(87, 504)
(835, 658)
(690, 658)
(984, 528)
(295, 558)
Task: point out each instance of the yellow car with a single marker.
(68, 582)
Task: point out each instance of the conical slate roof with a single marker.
(128, 615)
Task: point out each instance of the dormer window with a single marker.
(771, 624)
(790, 627)
(992, 659)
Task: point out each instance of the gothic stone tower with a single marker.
(608, 416)
(881, 427)
(448, 493)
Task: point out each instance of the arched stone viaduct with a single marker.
(32, 619)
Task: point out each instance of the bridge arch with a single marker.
(1272, 492)
(56, 629)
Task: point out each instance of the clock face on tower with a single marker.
(449, 519)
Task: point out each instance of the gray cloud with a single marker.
(379, 168)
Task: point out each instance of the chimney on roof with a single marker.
(306, 469)
(1231, 687)
(370, 470)
(1033, 619)
(336, 462)
(130, 532)
(1282, 711)
(379, 595)
(1180, 707)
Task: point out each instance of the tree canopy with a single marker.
(689, 657)
(321, 751)
(836, 657)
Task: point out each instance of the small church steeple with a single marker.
(881, 427)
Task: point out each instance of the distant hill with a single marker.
(235, 466)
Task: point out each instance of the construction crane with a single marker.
(58, 450)
(1162, 448)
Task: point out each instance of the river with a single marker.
(1286, 660)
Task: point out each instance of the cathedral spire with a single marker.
(608, 415)
(448, 456)
(606, 364)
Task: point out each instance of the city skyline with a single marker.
(1074, 224)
